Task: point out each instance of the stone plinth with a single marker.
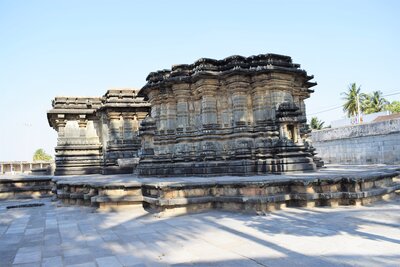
(236, 116)
(246, 194)
(17, 187)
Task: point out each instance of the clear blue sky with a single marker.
(82, 48)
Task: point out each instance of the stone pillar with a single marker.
(155, 102)
(82, 122)
(128, 125)
(114, 124)
(171, 113)
(135, 125)
(298, 138)
(60, 124)
(146, 133)
(182, 94)
(239, 86)
(259, 105)
(163, 115)
(282, 131)
(208, 89)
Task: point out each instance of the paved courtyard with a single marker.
(55, 235)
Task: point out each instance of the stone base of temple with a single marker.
(20, 187)
(233, 167)
(78, 160)
(123, 166)
(253, 194)
(116, 170)
(85, 170)
(82, 170)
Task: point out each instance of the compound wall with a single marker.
(372, 143)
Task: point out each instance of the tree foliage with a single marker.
(40, 154)
(371, 103)
(316, 124)
(393, 107)
(351, 98)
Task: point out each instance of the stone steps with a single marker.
(25, 187)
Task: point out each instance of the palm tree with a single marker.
(374, 103)
(316, 124)
(351, 106)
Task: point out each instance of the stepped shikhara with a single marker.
(236, 116)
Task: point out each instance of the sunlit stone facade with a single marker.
(98, 134)
(236, 116)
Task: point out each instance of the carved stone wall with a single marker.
(236, 116)
(97, 134)
(120, 117)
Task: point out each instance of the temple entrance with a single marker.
(291, 133)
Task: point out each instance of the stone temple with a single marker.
(97, 134)
(236, 116)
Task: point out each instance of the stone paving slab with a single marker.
(57, 235)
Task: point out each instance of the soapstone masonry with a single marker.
(236, 116)
(97, 134)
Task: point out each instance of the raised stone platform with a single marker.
(329, 187)
(23, 186)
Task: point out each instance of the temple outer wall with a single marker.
(372, 143)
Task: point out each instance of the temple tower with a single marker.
(236, 116)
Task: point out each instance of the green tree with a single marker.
(393, 107)
(40, 154)
(316, 124)
(352, 100)
(374, 102)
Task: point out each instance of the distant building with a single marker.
(387, 117)
(23, 167)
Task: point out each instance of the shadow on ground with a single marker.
(56, 235)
